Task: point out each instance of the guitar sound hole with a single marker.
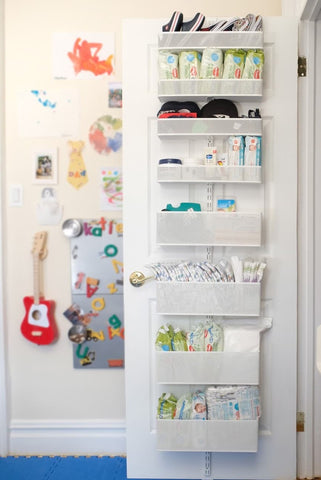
(36, 315)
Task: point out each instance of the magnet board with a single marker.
(97, 293)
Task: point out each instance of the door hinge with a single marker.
(300, 421)
(302, 67)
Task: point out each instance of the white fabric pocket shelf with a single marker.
(207, 435)
(209, 228)
(208, 298)
(206, 368)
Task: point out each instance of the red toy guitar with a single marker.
(38, 324)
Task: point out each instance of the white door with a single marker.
(275, 198)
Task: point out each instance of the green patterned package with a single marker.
(164, 338)
(212, 63)
(167, 65)
(179, 341)
(189, 65)
(234, 61)
(254, 64)
(184, 407)
(166, 406)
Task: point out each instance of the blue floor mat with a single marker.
(63, 468)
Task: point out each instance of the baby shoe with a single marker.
(194, 24)
(175, 23)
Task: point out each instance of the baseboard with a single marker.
(79, 437)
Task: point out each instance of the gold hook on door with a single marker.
(137, 279)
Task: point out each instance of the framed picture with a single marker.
(45, 167)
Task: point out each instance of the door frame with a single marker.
(306, 241)
(4, 431)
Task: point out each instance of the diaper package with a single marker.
(233, 402)
(189, 65)
(198, 406)
(167, 65)
(212, 63)
(254, 62)
(234, 61)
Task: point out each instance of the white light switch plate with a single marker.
(15, 196)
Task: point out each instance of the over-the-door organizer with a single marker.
(208, 229)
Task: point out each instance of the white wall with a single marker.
(47, 397)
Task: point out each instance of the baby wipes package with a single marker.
(212, 63)
(189, 64)
(179, 343)
(167, 65)
(235, 150)
(234, 61)
(198, 406)
(252, 151)
(213, 337)
(166, 406)
(164, 338)
(195, 339)
(183, 407)
(254, 62)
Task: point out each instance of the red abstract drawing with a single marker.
(85, 58)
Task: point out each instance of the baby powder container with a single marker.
(169, 169)
(193, 169)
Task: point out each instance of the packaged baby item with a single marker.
(244, 335)
(252, 153)
(212, 63)
(166, 406)
(183, 407)
(254, 62)
(198, 406)
(167, 65)
(195, 339)
(234, 63)
(179, 343)
(235, 150)
(164, 338)
(213, 336)
(189, 65)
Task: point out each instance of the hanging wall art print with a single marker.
(83, 55)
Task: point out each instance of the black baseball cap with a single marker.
(219, 108)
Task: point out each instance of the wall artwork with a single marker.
(96, 312)
(115, 95)
(83, 55)
(77, 173)
(45, 167)
(48, 113)
(105, 134)
(111, 182)
(49, 211)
